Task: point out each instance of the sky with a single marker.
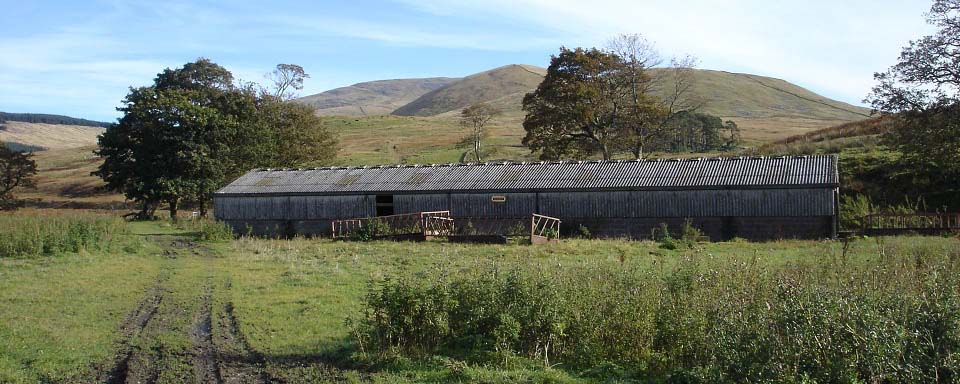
(79, 58)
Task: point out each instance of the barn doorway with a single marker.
(384, 205)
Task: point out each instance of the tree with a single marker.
(295, 134)
(923, 89)
(182, 138)
(643, 113)
(607, 101)
(285, 79)
(575, 110)
(654, 96)
(475, 118)
(928, 71)
(16, 170)
(697, 132)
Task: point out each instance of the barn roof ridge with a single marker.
(677, 173)
(542, 162)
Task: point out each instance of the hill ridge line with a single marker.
(800, 97)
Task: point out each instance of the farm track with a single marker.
(239, 363)
(219, 352)
(205, 366)
(130, 330)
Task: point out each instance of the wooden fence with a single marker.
(895, 223)
(426, 224)
(544, 229)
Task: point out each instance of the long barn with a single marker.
(755, 198)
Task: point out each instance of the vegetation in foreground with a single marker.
(305, 310)
(35, 233)
(702, 319)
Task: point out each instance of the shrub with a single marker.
(694, 321)
(689, 235)
(583, 232)
(371, 230)
(518, 230)
(33, 234)
(207, 229)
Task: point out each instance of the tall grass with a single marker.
(32, 234)
(206, 229)
(892, 317)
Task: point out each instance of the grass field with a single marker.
(167, 307)
(49, 136)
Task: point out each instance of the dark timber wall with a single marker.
(757, 214)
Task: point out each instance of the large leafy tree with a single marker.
(575, 110)
(607, 101)
(652, 98)
(191, 131)
(923, 90)
(16, 170)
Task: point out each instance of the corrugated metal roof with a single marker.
(567, 175)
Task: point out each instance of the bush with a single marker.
(689, 236)
(207, 229)
(33, 234)
(371, 230)
(518, 230)
(694, 321)
(583, 232)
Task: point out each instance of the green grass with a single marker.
(60, 315)
(34, 234)
(297, 296)
(379, 140)
(296, 301)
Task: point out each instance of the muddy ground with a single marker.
(189, 333)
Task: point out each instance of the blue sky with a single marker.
(78, 58)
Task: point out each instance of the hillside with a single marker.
(46, 118)
(372, 98)
(484, 86)
(64, 181)
(765, 108)
(49, 136)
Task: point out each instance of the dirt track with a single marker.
(206, 346)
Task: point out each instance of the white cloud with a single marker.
(409, 35)
(85, 67)
(831, 46)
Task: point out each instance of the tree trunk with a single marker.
(147, 209)
(173, 208)
(476, 146)
(203, 208)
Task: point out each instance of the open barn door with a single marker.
(385, 205)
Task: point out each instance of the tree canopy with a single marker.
(609, 101)
(923, 90)
(927, 73)
(475, 118)
(185, 136)
(575, 110)
(16, 170)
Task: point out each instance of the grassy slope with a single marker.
(483, 86)
(766, 109)
(64, 180)
(292, 298)
(49, 135)
(372, 98)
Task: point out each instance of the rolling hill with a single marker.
(373, 98)
(766, 108)
(48, 136)
(484, 86)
